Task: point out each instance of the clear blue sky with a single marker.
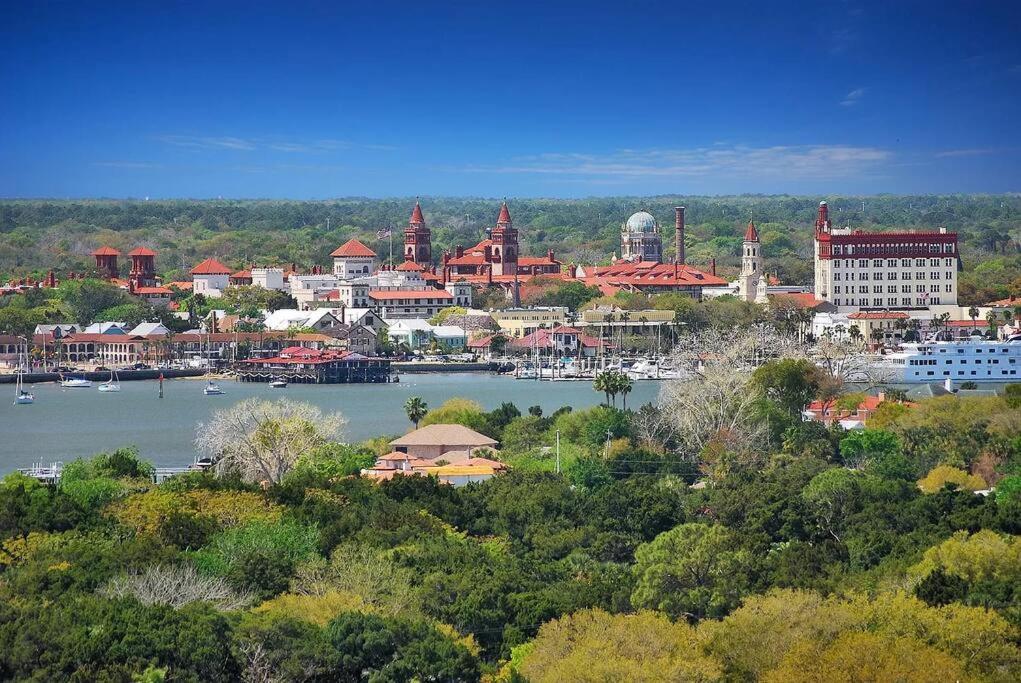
(328, 99)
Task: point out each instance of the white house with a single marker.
(353, 259)
(210, 278)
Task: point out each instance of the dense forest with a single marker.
(811, 554)
(36, 235)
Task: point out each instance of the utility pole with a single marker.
(557, 451)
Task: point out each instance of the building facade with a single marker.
(858, 270)
(640, 239)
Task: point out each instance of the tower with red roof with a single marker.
(418, 239)
(106, 262)
(505, 244)
(143, 267)
(751, 265)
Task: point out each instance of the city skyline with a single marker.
(570, 100)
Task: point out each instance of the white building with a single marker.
(269, 278)
(752, 283)
(210, 278)
(858, 270)
(353, 259)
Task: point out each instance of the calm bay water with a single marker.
(64, 424)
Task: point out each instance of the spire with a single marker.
(504, 214)
(416, 214)
(751, 234)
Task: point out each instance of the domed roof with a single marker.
(642, 221)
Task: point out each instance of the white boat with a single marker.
(278, 383)
(973, 360)
(212, 389)
(75, 381)
(110, 385)
(22, 396)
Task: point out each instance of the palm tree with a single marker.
(415, 408)
(604, 382)
(973, 314)
(624, 386)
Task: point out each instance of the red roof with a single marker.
(504, 214)
(106, 251)
(409, 266)
(353, 248)
(416, 214)
(543, 339)
(650, 274)
(471, 259)
(878, 315)
(388, 295)
(979, 322)
(484, 342)
(210, 267)
(182, 284)
(801, 299)
(242, 274)
(537, 261)
(141, 251)
(149, 291)
(751, 234)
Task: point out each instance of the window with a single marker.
(863, 289)
(950, 275)
(877, 302)
(934, 275)
(919, 288)
(907, 276)
(905, 301)
(905, 289)
(891, 289)
(891, 263)
(919, 262)
(877, 289)
(891, 275)
(836, 277)
(877, 263)
(948, 262)
(877, 276)
(949, 288)
(836, 290)
(905, 262)
(934, 262)
(863, 263)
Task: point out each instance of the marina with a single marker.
(64, 424)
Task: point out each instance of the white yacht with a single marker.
(75, 381)
(973, 360)
(213, 389)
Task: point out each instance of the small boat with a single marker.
(212, 389)
(22, 396)
(75, 381)
(110, 385)
(278, 383)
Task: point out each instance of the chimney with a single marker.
(679, 234)
(458, 251)
(549, 254)
(712, 266)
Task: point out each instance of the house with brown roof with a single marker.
(210, 278)
(353, 259)
(437, 441)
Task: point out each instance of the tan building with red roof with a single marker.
(442, 440)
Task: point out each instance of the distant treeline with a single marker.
(36, 235)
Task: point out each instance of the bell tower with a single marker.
(505, 244)
(751, 264)
(418, 239)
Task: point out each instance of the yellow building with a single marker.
(520, 322)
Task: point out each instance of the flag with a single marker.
(383, 233)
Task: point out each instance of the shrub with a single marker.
(942, 475)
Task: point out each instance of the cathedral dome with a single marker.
(642, 221)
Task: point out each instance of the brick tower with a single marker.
(143, 267)
(418, 239)
(106, 262)
(505, 244)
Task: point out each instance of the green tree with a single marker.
(86, 298)
(415, 408)
(791, 383)
(694, 570)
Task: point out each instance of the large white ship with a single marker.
(960, 361)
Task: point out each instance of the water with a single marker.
(64, 424)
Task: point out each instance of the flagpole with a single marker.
(390, 230)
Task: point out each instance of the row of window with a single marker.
(920, 275)
(891, 289)
(964, 361)
(881, 248)
(889, 302)
(960, 373)
(892, 263)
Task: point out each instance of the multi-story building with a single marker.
(519, 322)
(353, 259)
(859, 270)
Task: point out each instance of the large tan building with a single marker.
(858, 270)
(434, 441)
(518, 322)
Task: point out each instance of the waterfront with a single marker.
(67, 423)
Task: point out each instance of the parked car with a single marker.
(141, 366)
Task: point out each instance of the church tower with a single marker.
(505, 244)
(418, 239)
(751, 264)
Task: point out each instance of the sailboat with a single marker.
(75, 381)
(278, 383)
(22, 396)
(112, 384)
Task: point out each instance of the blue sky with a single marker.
(562, 99)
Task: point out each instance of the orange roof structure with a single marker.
(142, 251)
(106, 251)
(751, 234)
(211, 267)
(353, 248)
